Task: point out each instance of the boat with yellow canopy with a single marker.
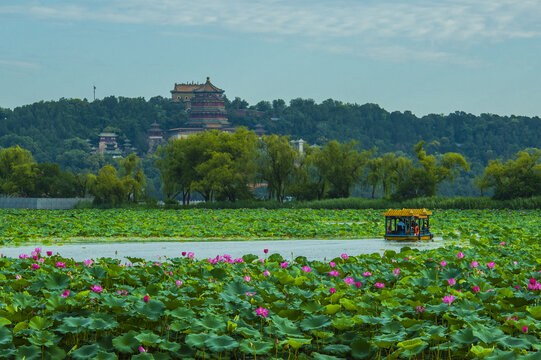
(408, 224)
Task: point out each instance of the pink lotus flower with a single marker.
(35, 266)
(247, 278)
(184, 253)
(334, 273)
(396, 272)
(332, 290)
(266, 251)
(332, 264)
(419, 309)
(306, 269)
(250, 294)
(146, 298)
(191, 255)
(96, 288)
(88, 262)
(502, 243)
(23, 256)
(443, 263)
(49, 253)
(122, 292)
(60, 264)
(448, 299)
(344, 256)
(41, 260)
(179, 283)
(349, 280)
(491, 265)
(262, 312)
(142, 350)
(18, 277)
(66, 293)
(367, 273)
(451, 281)
(284, 265)
(474, 264)
(35, 257)
(460, 255)
(380, 285)
(525, 329)
(476, 289)
(37, 250)
(266, 273)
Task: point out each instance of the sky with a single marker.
(441, 56)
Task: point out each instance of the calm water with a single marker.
(312, 249)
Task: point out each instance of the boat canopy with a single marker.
(419, 213)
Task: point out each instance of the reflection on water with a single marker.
(311, 249)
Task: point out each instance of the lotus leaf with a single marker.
(86, 352)
(126, 343)
(148, 338)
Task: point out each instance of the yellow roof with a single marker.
(408, 212)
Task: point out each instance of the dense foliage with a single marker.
(479, 301)
(221, 166)
(55, 131)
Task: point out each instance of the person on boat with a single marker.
(401, 226)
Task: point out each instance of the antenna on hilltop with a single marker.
(94, 92)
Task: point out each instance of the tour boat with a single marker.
(408, 224)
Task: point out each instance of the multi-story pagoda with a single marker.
(155, 137)
(207, 108)
(206, 111)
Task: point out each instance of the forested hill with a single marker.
(55, 131)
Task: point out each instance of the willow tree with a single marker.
(423, 180)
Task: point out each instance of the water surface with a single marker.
(312, 249)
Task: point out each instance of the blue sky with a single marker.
(440, 56)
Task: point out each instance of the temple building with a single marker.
(108, 144)
(184, 92)
(206, 110)
(155, 137)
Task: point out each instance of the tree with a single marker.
(107, 188)
(134, 177)
(341, 166)
(514, 178)
(423, 180)
(18, 171)
(277, 164)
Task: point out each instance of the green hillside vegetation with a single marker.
(63, 131)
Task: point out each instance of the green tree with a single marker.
(277, 164)
(341, 165)
(107, 188)
(423, 180)
(514, 178)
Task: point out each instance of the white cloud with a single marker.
(369, 23)
(19, 64)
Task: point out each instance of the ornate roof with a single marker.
(408, 212)
(185, 88)
(208, 87)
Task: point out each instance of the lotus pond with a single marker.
(83, 226)
(476, 301)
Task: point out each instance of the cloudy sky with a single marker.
(441, 56)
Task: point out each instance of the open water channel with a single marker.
(289, 249)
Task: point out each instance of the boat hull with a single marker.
(409, 237)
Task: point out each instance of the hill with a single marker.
(63, 131)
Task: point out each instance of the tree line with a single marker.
(236, 166)
(223, 166)
(64, 131)
(21, 176)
